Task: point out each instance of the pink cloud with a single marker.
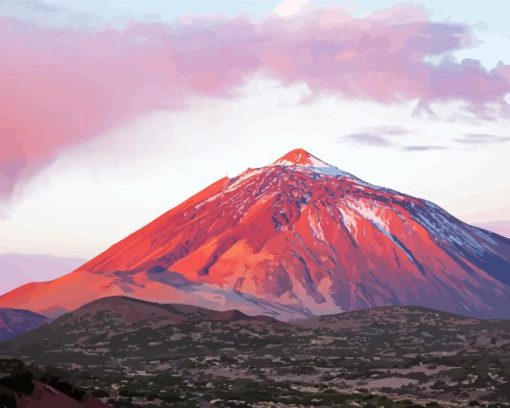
(61, 87)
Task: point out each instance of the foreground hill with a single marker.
(185, 356)
(14, 322)
(103, 324)
(293, 239)
(24, 387)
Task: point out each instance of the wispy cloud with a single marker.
(289, 8)
(387, 137)
(368, 138)
(482, 139)
(422, 148)
(34, 5)
(60, 87)
(379, 136)
(391, 130)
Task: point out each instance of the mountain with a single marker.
(138, 352)
(14, 322)
(18, 269)
(296, 238)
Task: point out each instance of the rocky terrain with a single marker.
(134, 353)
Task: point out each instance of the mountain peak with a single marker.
(293, 239)
(300, 157)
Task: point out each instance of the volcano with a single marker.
(296, 238)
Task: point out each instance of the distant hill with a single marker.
(182, 356)
(123, 310)
(18, 269)
(14, 322)
(409, 318)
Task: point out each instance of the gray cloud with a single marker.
(375, 136)
(422, 148)
(391, 130)
(480, 139)
(369, 139)
(33, 5)
(387, 137)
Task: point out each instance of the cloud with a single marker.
(391, 130)
(422, 148)
(61, 87)
(482, 139)
(381, 136)
(290, 8)
(387, 137)
(366, 138)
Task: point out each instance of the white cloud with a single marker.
(290, 8)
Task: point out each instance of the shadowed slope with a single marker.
(14, 322)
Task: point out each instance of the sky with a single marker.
(113, 112)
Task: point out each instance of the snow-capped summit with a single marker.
(296, 238)
(302, 160)
(300, 157)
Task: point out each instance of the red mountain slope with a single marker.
(295, 238)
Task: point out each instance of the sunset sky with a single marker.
(113, 112)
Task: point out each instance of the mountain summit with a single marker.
(300, 157)
(296, 238)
